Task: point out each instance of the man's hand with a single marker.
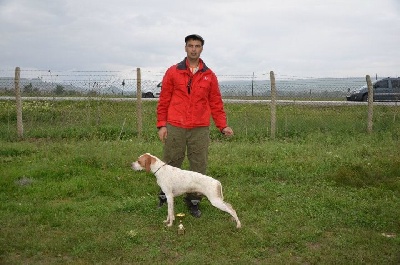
(162, 134)
(227, 131)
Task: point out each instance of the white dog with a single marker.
(174, 181)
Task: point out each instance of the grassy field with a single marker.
(323, 192)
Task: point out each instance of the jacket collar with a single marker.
(182, 65)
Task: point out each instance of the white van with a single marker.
(153, 92)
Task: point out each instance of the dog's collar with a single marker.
(159, 168)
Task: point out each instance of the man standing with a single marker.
(189, 96)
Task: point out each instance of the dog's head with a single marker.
(143, 162)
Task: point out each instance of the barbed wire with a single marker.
(236, 84)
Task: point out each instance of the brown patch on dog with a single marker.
(145, 161)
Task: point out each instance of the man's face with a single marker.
(193, 49)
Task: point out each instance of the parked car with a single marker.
(152, 92)
(386, 89)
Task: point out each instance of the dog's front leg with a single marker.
(171, 214)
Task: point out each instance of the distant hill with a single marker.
(36, 84)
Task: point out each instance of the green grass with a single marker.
(323, 192)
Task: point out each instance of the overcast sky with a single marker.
(304, 38)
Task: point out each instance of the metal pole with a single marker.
(20, 126)
(139, 103)
(370, 104)
(252, 86)
(273, 105)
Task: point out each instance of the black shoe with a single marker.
(195, 212)
(162, 198)
(193, 206)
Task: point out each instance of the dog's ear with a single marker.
(147, 162)
(143, 161)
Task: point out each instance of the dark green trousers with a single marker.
(192, 143)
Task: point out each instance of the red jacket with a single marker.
(188, 100)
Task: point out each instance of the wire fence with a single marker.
(106, 104)
(124, 83)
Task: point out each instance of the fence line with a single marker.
(123, 83)
(270, 88)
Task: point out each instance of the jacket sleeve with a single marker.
(165, 98)
(216, 105)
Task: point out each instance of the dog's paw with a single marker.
(169, 224)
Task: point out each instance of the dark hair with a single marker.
(194, 37)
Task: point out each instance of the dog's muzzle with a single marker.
(136, 166)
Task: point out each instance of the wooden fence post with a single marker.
(370, 104)
(20, 125)
(139, 109)
(273, 104)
